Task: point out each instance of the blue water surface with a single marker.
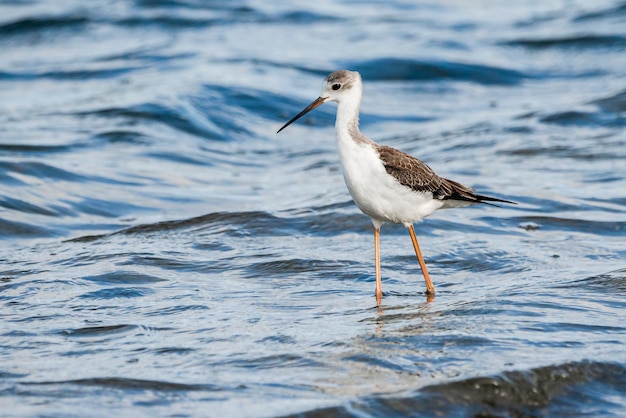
(165, 253)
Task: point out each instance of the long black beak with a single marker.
(317, 102)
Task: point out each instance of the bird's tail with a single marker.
(467, 195)
(488, 200)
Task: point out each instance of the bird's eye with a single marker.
(336, 86)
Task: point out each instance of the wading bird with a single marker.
(388, 185)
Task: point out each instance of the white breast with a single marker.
(377, 193)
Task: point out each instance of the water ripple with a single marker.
(387, 69)
(578, 42)
(567, 389)
(164, 252)
(116, 383)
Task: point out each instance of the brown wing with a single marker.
(413, 173)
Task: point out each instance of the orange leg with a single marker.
(430, 289)
(379, 286)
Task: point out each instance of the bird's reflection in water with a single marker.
(409, 312)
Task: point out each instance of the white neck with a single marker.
(347, 122)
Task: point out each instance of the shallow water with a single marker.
(166, 253)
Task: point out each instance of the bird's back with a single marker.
(415, 174)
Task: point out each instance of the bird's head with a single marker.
(338, 86)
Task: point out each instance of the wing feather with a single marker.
(413, 173)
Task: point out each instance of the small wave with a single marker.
(571, 389)
(569, 224)
(25, 207)
(386, 69)
(613, 281)
(39, 170)
(120, 383)
(14, 171)
(176, 118)
(246, 220)
(185, 7)
(243, 223)
(610, 115)
(303, 17)
(180, 22)
(559, 388)
(589, 119)
(117, 293)
(577, 42)
(176, 310)
(83, 74)
(570, 117)
(96, 331)
(608, 13)
(148, 55)
(31, 25)
(188, 4)
(486, 261)
(615, 103)
(20, 229)
(106, 208)
(236, 105)
(123, 277)
(274, 362)
(167, 22)
(33, 149)
(292, 266)
(116, 136)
